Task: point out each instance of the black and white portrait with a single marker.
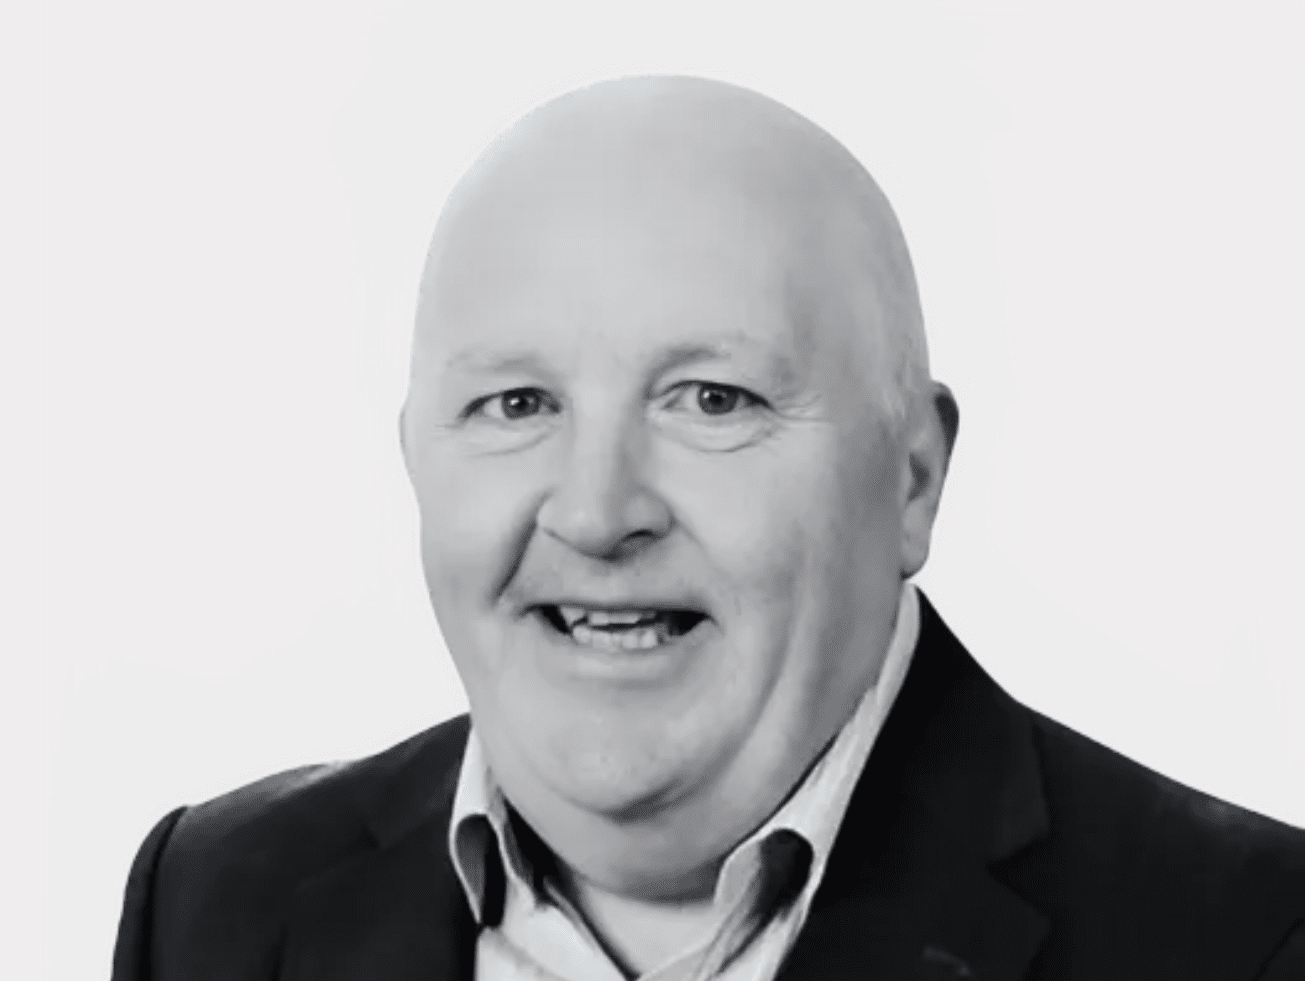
(590, 492)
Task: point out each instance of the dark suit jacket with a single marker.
(983, 841)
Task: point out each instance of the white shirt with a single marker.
(541, 937)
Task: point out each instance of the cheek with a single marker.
(762, 517)
(475, 518)
(800, 537)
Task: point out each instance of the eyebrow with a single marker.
(722, 347)
(685, 354)
(680, 355)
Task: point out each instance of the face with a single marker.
(661, 517)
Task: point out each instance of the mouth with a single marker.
(631, 629)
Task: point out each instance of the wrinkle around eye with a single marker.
(750, 424)
(476, 409)
(492, 437)
(678, 394)
(492, 433)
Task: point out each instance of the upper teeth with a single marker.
(603, 618)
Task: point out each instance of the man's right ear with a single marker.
(930, 437)
(949, 414)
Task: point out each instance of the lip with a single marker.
(614, 604)
(563, 656)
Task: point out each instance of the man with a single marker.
(677, 455)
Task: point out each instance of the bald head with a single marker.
(700, 166)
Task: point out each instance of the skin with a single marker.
(628, 260)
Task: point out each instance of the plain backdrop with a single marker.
(1105, 206)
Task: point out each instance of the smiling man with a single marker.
(677, 455)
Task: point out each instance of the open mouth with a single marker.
(620, 630)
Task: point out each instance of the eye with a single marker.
(717, 399)
(715, 416)
(514, 404)
(521, 402)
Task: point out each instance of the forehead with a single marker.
(681, 269)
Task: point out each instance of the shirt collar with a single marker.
(481, 819)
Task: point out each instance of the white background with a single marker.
(1105, 207)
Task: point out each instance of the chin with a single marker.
(623, 783)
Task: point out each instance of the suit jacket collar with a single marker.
(396, 909)
(913, 890)
(951, 791)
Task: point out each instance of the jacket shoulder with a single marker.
(1137, 861)
(227, 874)
(1136, 799)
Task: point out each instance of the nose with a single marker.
(601, 504)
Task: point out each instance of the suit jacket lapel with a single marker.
(396, 910)
(951, 790)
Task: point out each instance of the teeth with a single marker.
(572, 614)
(625, 640)
(604, 618)
(617, 630)
(583, 634)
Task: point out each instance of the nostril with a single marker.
(631, 545)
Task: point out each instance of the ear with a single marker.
(930, 434)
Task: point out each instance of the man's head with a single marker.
(669, 366)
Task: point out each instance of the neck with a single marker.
(639, 934)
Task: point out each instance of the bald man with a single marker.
(678, 455)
